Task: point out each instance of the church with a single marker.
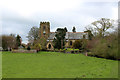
(49, 36)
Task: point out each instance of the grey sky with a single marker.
(18, 16)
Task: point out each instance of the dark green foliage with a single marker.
(66, 29)
(80, 44)
(18, 41)
(59, 40)
(74, 29)
(90, 35)
(57, 43)
(28, 48)
(77, 44)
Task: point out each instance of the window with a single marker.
(71, 43)
(44, 30)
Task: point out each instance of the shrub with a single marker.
(90, 54)
(100, 50)
(72, 52)
(77, 44)
(106, 48)
(80, 44)
(37, 47)
(28, 48)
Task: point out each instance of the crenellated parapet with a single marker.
(47, 23)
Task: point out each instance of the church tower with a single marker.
(44, 29)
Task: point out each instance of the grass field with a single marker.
(56, 65)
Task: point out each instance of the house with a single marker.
(70, 36)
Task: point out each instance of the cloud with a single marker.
(28, 7)
(16, 24)
(18, 16)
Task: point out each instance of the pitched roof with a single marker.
(70, 35)
(51, 35)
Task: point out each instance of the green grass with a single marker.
(56, 65)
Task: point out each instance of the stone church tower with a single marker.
(44, 29)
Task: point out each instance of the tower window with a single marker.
(43, 27)
(44, 30)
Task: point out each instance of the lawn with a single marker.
(56, 65)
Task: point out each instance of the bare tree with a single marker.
(102, 25)
(8, 42)
(33, 34)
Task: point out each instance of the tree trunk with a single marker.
(62, 44)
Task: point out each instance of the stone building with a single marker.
(70, 36)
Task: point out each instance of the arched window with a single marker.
(49, 46)
(44, 30)
(71, 43)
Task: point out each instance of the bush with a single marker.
(100, 50)
(77, 44)
(37, 47)
(72, 52)
(90, 54)
(28, 48)
(80, 44)
(106, 48)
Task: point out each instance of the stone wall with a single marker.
(24, 51)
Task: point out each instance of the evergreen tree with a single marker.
(59, 40)
(74, 29)
(66, 29)
(18, 41)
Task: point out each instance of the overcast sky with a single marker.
(18, 16)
